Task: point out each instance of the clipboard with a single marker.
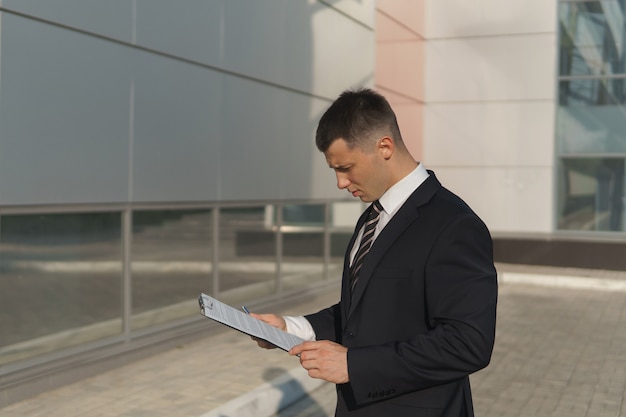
(238, 320)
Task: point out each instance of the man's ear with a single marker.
(386, 146)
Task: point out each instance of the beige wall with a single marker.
(474, 85)
(400, 64)
(490, 107)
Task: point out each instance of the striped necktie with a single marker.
(366, 243)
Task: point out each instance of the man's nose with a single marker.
(342, 182)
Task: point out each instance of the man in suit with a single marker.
(418, 303)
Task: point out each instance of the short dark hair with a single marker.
(355, 116)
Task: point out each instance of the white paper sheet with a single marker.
(238, 320)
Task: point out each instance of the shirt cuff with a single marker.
(300, 327)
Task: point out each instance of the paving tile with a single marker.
(559, 353)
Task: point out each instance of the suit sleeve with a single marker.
(327, 323)
(460, 300)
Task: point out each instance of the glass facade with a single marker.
(247, 254)
(139, 166)
(74, 278)
(60, 281)
(170, 263)
(303, 240)
(590, 138)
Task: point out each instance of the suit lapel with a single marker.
(406, 215)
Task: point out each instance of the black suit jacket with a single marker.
(423, 314)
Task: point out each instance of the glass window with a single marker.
(60, 281)
(343, 218)
(590, 140)
(590, 117)
(597, 92)
(171, 264)
(303, 236)
(247, 253)
(304, 215)
(591, 194)
(591, 37)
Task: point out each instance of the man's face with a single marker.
(359, 171)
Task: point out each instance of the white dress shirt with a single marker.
(391, 201)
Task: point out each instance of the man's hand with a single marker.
(324, 360)
(272, 320)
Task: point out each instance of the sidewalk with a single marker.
(560, 351)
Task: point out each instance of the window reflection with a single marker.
(303, 237)
(304, 241)
(343, 218)
(592, 92)
(590, 118)
(592, 194)
(591, 37)
(61, 275)
(171, 264)
(304, 214)
(247, 251)
(60, 281)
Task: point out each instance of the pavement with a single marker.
(560, 351)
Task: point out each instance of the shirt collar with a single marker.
(395, 196)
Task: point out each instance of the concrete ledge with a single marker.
(561, 251)
(563, 281)
(271, 397)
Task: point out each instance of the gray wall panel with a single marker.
(320, 178)
(268, 149)
(271, 154)
(177, 130)
(251, 149)
(258, 42)
(112, 18)
(343, 53)
(64, 105)
(298, 153)
(187, 29)
(195, 131)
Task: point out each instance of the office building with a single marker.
(151, 150)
